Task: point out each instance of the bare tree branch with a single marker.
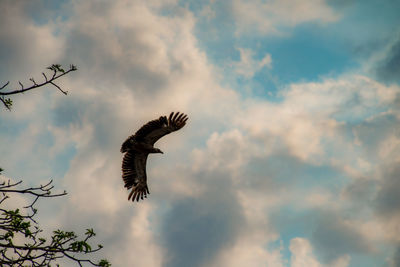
(57, 72)
(4, 85)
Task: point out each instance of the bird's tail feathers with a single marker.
(138, 191)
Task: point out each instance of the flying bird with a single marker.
(138, 146)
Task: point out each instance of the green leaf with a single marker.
(28, 233)
(81, 246)
(90, 232)
(104, 263)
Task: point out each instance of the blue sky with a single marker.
(290, 154)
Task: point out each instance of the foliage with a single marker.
(20, 241)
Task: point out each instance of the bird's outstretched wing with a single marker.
(134, 174)
(155, 129)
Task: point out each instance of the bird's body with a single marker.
(138, 146)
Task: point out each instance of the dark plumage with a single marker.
(138, 146)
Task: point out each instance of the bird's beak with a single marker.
(161, 152)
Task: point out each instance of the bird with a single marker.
(138, 146)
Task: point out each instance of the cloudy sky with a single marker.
(291, 153)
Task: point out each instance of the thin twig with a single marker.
(4, 85)
(54, 77)
(59, 88)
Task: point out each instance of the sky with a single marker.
(291, 153)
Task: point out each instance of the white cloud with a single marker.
(249, 252)
(302, 255)
(268, 17)
(389, 148)
(250, 246)
(140, 247)
(230, 150)
(311, 118)
(248, 66)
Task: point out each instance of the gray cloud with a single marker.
(113, 70)
(26, 47)
(330, 234)
(361, 192)
(333, 238)
(373, 132)
(388, 70)
(396, 257)
(284, 171)
(388, 197)
(196, 229)
(67, 113)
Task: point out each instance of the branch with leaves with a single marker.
(20, 240)
(56, 72)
